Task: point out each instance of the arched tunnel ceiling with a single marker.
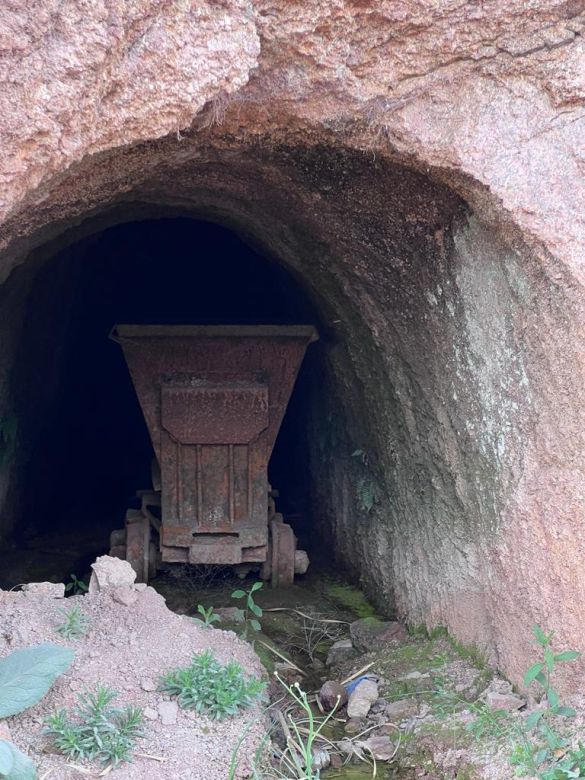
(422, 174)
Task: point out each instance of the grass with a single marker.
(207, 686)
(99, 731)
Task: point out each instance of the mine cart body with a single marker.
(213, 398)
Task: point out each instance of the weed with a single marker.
(207, 686)
(25, 677)
(251, 608)
(546, 756)
(100, 731)
(76, 587)
(76, 623)
(208, 616)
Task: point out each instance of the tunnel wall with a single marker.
(482, 99)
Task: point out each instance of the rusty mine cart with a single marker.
(213, 398)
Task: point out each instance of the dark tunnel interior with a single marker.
(87, 445)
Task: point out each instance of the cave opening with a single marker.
(85, 444)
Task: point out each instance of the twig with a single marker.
(281, 656)
(356, 674)
(309, 617)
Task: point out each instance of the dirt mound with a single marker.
(127, 647)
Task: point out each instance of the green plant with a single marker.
(546, 756)
(76, 587)
(297, 759)
(251, 608)
(76, 624)
(208, 616)
(25, 677)
(207, 686)
(100, 731)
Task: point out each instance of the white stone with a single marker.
(109, 573)
(361, 699)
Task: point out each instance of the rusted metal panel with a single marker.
(214, 399)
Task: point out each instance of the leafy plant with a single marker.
(209, 617)
(207, 686)
(76, 624)
(25, 677)
(547, 757)
(76, 587)
(251, 608)
(100, 731)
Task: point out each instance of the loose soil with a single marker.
(127, 648)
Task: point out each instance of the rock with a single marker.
(321, 758)
(317, 665)
(361, 699)
(340, 651)
(5, 731)
(55, 590)
(168, 711)
(397, 711)
(379, 705)
(302, 562)
(148, 684)
(125, 595)
(381, 748)
(230, 614)
(140, 586)
(354, 726)
(370, 633)
(336, 761)
(504, 701)
(109, 573)
(332, 695)
(150, 714)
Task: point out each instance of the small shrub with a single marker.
(76, 586)
(207, 686)
(76, 624)
(100, 731)
(208, 616)
(541, 750)
(250, 608)
(25, 677)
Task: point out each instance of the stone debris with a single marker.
(150, 714)
(371, 634)
(125, 595)
(168, 711)
(332, 695)
(504, 701)
(380, 748)
(340, 651)
(321, 758)
(109, 573)
(400, 710)
(361, 699)
(148, 684)
(55, 590)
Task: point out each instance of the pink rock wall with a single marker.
(183, 103)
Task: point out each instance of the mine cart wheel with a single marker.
(139, 548)
(282, 553)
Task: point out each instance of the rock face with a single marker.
(420, 167)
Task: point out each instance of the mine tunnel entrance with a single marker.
(85, 447)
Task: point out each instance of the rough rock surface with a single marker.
(361, 699)
(420, 166)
